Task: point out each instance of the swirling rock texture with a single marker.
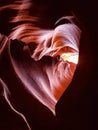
(42, 83)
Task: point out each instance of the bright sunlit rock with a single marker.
(70, 57)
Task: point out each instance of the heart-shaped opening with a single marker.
(48, 61)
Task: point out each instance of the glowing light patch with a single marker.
(70, 57)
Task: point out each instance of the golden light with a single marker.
(70, 57)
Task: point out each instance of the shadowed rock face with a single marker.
(35, 70)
